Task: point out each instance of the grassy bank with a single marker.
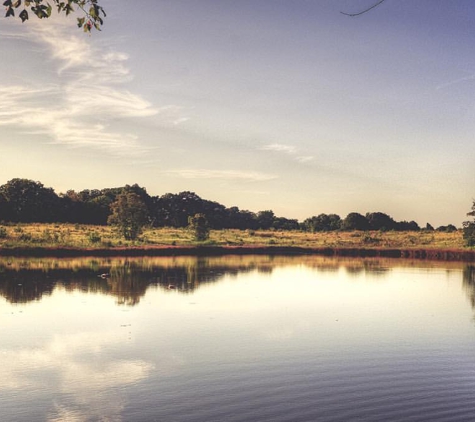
(104, 237)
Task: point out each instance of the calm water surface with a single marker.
(236, 339)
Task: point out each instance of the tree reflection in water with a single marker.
(469, 282)
(25, 280)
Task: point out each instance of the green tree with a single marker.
(282, 223)
(404, 226)
(4, 214)
(92, 12)
(322, 223)
(24, 200)
(380, 221)
(450, 228)
(265, 219)
(129, 214)
(469, 233)
(355, 221)
(198, 224)
(469, 228)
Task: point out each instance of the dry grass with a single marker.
(84, 236)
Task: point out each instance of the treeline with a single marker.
(26, 201)
(370, 221)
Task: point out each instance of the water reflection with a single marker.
(25, 280)
(469, 282)
(86, 383)
(275, 338)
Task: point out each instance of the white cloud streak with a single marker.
(470, 77)
(77, 109)
(251, 176)
(304, 158)
(287, 149)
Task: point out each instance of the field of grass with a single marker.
(85, 236)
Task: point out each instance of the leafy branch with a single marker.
(92, 17)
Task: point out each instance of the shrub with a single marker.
(448, 229)
(199, 226)
(25, 237)
(94, 237)
(3, 233)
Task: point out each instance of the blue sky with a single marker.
(263, 104)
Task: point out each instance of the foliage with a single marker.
(282, 223)
(407, 226)
(240, 219)
(322, 223)
(91, 10)
(265, 219)
(3, 233)
(380, 221)
(469, 228)
(198, 225)
(24, 200)
(173, 210)
(469, 233)
(94, 237)
(129, 215)
(355, 221)
(449, 228)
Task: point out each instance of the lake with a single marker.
(237, 338)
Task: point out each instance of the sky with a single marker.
(286, 105)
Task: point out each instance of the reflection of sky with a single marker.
(57, 352)
(80, 356)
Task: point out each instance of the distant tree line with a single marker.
(370, 221)
(26, 201)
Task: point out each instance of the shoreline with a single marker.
(467, 255)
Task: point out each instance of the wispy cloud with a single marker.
(180, 120)
(77, 109)
(251, 176)
(304, 158)
(289, 149)
(469, 77)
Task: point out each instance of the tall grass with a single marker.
(86, 236)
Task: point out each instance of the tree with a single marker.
(91, 10)
(469, 228)
(129, 214)
(282, 223)
(322, 223)
(240, 219)
(198, 224)
(265, 219)
(28, 201)
(404, 226)
(355, 221)
(469, 233)
(450, 228)
(4, 214)
(380, 221)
